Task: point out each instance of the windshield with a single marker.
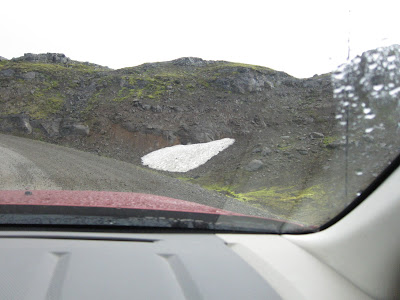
(214, 116)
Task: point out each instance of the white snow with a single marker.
(183, 158)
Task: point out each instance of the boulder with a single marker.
(74, 129)
(266, 151)
(254, 165)
(189, 61)
(18, 122)
(25, 125)
(7, 73)
(29, 75)
(157, 109)
(317, 135)
(51, 127)
(146, 106)
(257, 149)
(244, 82)
(336, 145)
(302, 151)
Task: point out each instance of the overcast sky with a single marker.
(302, 38)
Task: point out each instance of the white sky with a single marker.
(302, 38)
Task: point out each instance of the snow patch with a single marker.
(183, 158)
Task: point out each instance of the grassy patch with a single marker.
(306, 205)
(139, 86)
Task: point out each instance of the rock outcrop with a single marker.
(44, 58)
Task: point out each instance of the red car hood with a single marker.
(106, 199)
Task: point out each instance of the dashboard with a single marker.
(355, 258)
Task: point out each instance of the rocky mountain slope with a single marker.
(288, 154)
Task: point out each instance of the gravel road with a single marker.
(35, 165)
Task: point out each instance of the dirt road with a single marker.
(34, 165)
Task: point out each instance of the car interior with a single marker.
(356, 257)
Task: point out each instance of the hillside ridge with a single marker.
(288, 138)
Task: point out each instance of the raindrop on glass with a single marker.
(349, 88)
(338, 90)
(370, 117)
(339, 76)
(378, 87)
(375, 56)
(372, 66)
(395, 91)
(366, 110)
(368, 130)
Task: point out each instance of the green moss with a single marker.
(204, 83)
(83, 68)
(305, 205)
(39, 102)
(43, 107)
(184, 178)
(143, 86)
(170, 76)
(52, 84)
(152, 80)
(330, 139)
(284, 194)
(43, 95)
(253, 67)
(31, 67)
(285, 147)
(225, 66)
(93, 101)
(139, 93)
(226, 190)
(47, 68)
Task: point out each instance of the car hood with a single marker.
(121, 200)
(100, 208)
